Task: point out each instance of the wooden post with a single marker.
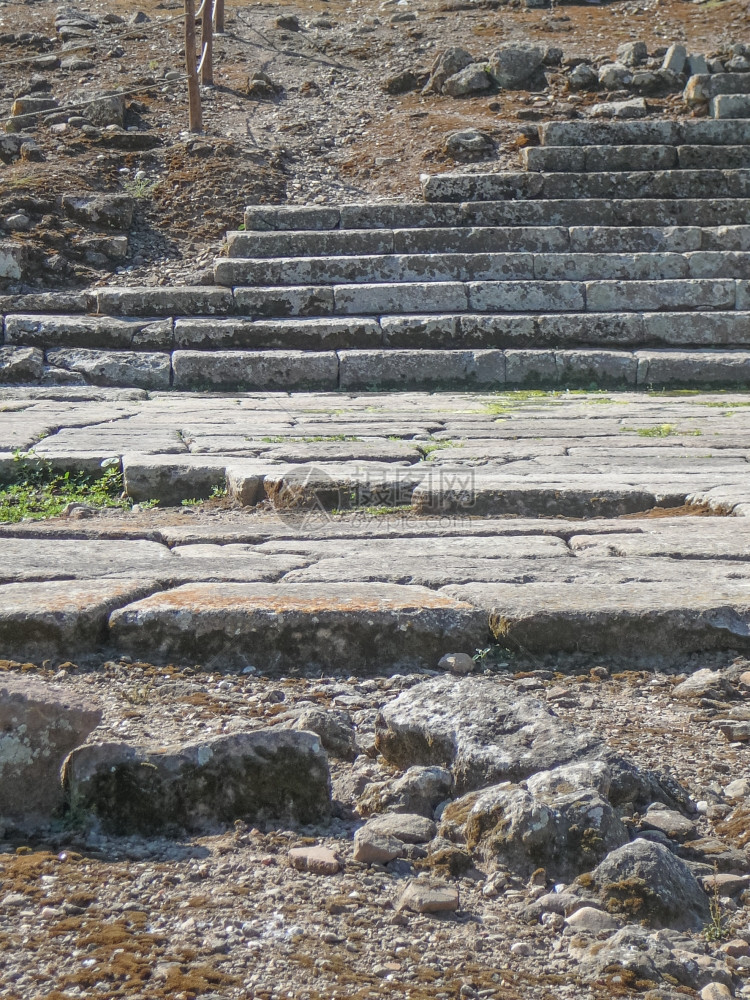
(207, 44)
(195, 116)
(219, 16)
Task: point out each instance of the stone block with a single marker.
(526, 296)
(415, 369)
(103, 332)
(593, 329)
(422, 297)
(610, 266)
(255, 370)
(698, 329)
(730, 105)
(694, 368)
(368, 627)
(498, 331)
(648, 133)
(262, 218)
(172, 478)
(720, 264)
(19, 365)
(436, 332)
(272, 334)
(675, 59)
(197, 787)
(633, 296)
(112, 211)
(163, 301)
(40, 724)
(61, 618)
(637, 239)
(629, 158)
(13, 258)
(399, 215)
(530, 368)
(545, 158)
(335, 243)
(301, 300)
(587, 367)
(137, 369)
(713, 157)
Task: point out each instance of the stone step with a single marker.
(288, 221)
(645, 133)
(730, 106)
(84, 345)
(598, 237)
(630, 158)
(706, 87)
(286, 272)
(290, 370)
(641, 184)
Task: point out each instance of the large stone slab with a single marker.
(66, 558)
(39, 725)
(250, 370)
(636, 619)
(369, 628)
(20, 364)
(311, 334)
(404, 368)
(88, 332)
(137, 369)
(269, 774)
(61, 618)
(163, 300)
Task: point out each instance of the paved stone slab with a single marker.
(87, 332)
(632, 619)
(312, 334)
(163, 300)
(139, 369)
(61, 618)
(283, 627)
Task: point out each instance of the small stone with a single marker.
(372, 847)
(428, 897)
(19, 222)
(588, 918)
(316, 860)
(14, 899)
(457, 663)
(725, 885)
(469, 144)
(670, 822)
(737, 790)
(715, 991)
(737, 948)
(632, 53)
(520, 949)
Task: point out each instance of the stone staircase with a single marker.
(620, 255)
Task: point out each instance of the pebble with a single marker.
(457, 663)
(715, 991)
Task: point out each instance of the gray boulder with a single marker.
(614, 76)
(106, 110)
(474, 79)
(513, 67)
(469, 144)
(447, 64)
(20, 364)
(632, 53)
(39, 725)
(655, 956)
(266, 774)
(334, 727)
(645, 881)
(705, 684)
(583, 77)
(565, 831)
(419, 791)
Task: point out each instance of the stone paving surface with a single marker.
(386, 529)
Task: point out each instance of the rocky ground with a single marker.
(232, 913)
(337, 113)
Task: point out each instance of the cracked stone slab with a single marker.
(61, 618)
(367, 628)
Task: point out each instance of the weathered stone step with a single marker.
(645, 133)
(670, 184)
(597, 237)
(705, 87)
(707, 209)
(303, 272)
(580, 159)
(730, 106)
(86, 345)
